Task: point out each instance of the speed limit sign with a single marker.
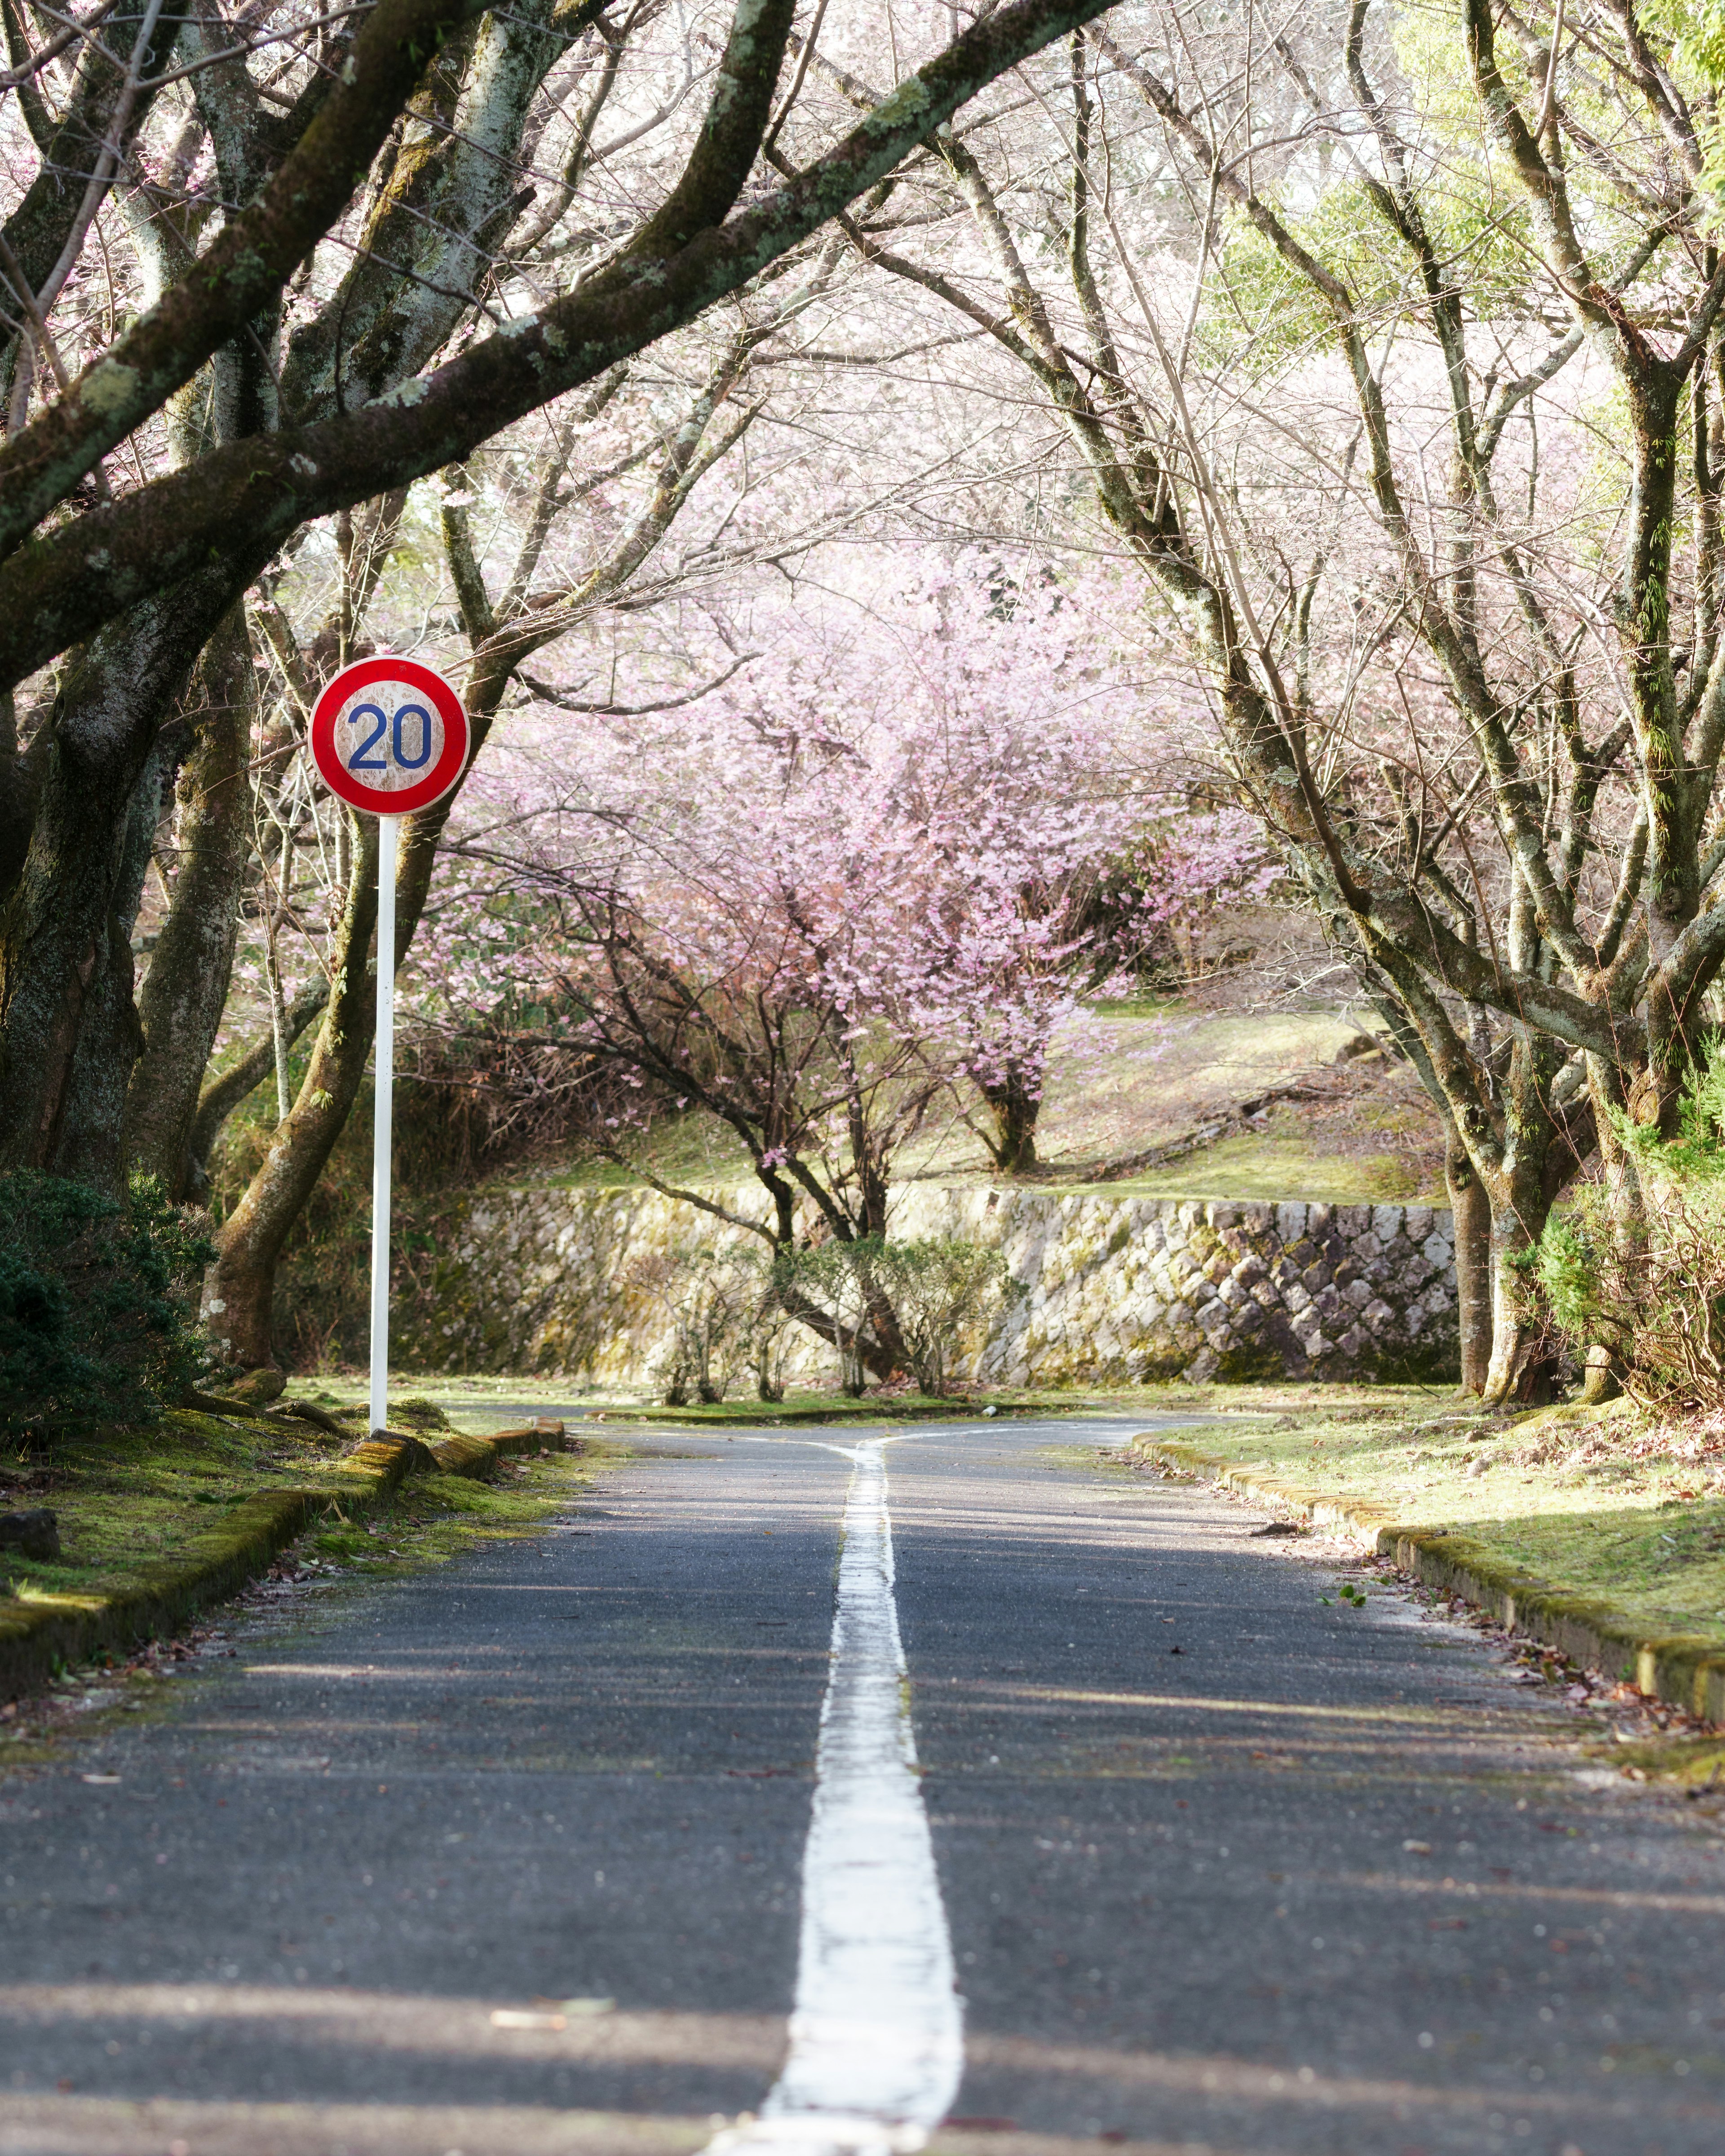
(389, 736)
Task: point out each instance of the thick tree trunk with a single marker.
(223, 1093)
(1627, 1205)
(1014, 1108)
(65, 956)
(109, 1038)
(1510, 1377)
(184, 992)
(240, 1289)
(1521, 1359)
(1603, 1379)
(1470, 1208)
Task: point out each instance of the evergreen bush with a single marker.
(1655, 1295)
(939, 1288)
(97, 1303)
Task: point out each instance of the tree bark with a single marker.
(1521, 1357)
(65, 957)
(1603, 1379)
(1471, 1210)
(180, 1008)
(240, 1288)
(38, 227)
(1014, 1108)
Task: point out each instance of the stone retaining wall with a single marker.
(1117, 1289)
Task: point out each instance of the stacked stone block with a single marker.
(1113, 1289)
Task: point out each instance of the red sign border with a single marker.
(402, 800)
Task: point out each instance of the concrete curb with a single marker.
(1682, 1668)
(36, 1638)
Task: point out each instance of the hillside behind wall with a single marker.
(1115, 1291)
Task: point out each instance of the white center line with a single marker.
(877, 2035)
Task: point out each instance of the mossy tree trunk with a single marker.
(1470, 1212)
(184, 992)
(241, 1291)
(1014, 1106)
(69, 1030)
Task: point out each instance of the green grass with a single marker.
(1161, 1071)
(1597, 1502)
(1279, 1167)
(436, 1517)
(127, 1500)
(686, 1151)
(480, 1404)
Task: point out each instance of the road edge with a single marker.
(1683, 1669)
(38, 1639)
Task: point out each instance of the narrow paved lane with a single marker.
(508, 1858)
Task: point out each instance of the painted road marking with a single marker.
(877, 2033)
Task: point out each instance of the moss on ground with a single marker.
(127, 1500)
(1609, 1503)
(1696, 1764)
(483, 1404)
(428, 1522)
(436, 1517)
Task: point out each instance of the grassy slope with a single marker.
(1154, 1075)
(1602, 1503)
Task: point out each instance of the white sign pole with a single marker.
(388, 736)
(383, 1084)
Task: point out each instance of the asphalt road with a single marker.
(504, 1859)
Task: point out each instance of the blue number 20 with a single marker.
(363, 759)
(412, 763)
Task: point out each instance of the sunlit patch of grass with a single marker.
(437, 1517)
(480, 1404)
(128, 1501)
(1591, 1501)
(1279, 1167)
(1696, 1764)
(1164, 1067)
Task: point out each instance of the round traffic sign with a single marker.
(389, 736)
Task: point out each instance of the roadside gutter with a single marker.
(40, 1635)
(1683, 1669)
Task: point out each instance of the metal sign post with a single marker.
(383, 1118)
(389, 736)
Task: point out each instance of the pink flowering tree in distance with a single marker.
(839, 897)
(1190, 867)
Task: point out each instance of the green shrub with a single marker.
(97, 1303)
(711, 1299)
(939, 1289)
(839, 1280)
(1651, 1288)
(932, 1289)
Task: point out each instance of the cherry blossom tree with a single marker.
(828, 904)
(639, 495)
(263, 268)
(1386, 350)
